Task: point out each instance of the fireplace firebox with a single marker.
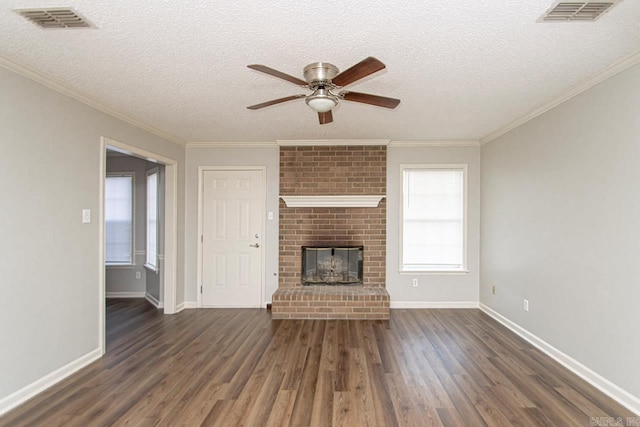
(332, 265)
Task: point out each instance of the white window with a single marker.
(433, 226)
(152, 219)
(119, 218)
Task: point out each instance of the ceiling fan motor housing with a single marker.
(320, 73)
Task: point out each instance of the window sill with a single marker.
(433, 272)
(151, 268)
(122, 266)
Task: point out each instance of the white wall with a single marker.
(561, 227)
(268, 156)
(434, 289)
(49, 269)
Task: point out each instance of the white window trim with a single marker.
(147, 265)
(132, 262)
(150, 267)
(465, 178)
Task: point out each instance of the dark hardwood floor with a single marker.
(232, 367)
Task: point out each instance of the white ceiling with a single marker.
(463, 69)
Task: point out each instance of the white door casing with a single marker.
(232, 228)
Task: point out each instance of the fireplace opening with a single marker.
(332, 265)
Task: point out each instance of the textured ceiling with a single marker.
(463, 68)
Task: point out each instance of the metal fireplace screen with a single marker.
(332, 265)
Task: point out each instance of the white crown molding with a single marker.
(19, 397)
(327, 142)
(437, 143)
(583, 86)
(598, 381)
(331, 201)
(433, 304)
(225, 144)
(85, 99)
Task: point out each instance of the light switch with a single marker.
(270, 215)
(86, 216)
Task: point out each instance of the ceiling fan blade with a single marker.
(278, 74)
(325, 117)
(362, 69)
(365, 98)
(276, 101)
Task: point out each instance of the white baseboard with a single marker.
(153, 300)
(38, 386)
(434, 304)
(190, 304)
(186, 305)
(126, 294)
(617, 393)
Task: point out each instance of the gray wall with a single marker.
(231, 156)
(123, 278)
(50, 270)
(561, 227)
(433, 288)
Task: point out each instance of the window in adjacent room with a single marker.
(152, 219)
(433, 218)
(119, 218)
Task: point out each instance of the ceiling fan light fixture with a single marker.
(321, 100)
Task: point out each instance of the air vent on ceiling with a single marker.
(58, 17)
(577, 11)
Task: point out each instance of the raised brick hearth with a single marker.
(323, 171)
(331, 302)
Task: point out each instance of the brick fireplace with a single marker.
(332, 171)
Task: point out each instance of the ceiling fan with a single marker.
(323, 79)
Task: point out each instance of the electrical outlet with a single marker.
(138, 275)
(415, 283)
(526, 305)
(493, 290)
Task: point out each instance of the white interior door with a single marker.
(232, 250)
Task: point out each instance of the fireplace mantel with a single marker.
(332, 201)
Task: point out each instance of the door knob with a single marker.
(257, 245)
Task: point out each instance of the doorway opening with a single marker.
(138, 227)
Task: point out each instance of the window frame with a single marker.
(148, 265)
(132, 256)
(465, 218)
